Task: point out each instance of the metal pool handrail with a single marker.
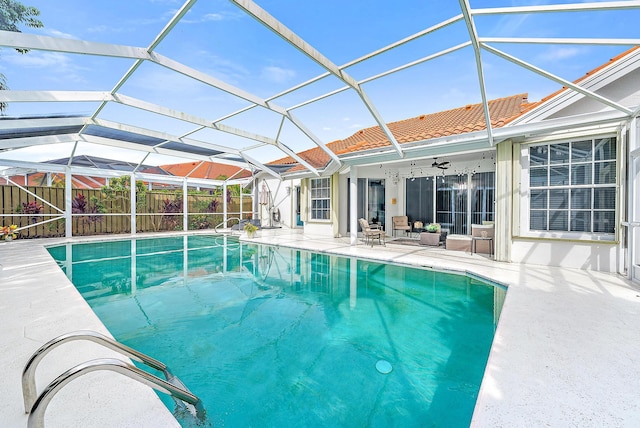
(38, 405)
(36, 416)
(28, 374)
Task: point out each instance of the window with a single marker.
(320, 198)
(573, 186)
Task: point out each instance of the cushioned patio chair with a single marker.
(371, 232)
(400, 222)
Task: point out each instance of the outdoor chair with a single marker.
(400, 222)
(371, 232)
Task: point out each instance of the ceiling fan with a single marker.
(441, 165)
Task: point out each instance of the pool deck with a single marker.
(566, 351)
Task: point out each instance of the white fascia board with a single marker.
(299, 175)
(42, 122)
(53, 96)
(13, 39)
(17, 143)
(333, 168)
(607, 118)
(431, 150)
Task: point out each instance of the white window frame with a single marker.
(525, 193)
(320, 193)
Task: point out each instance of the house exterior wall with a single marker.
(320, 227)
(569, 250)
(282, 197)
(568, 254)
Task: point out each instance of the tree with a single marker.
(12, 14)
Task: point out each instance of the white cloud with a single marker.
(56, 33)
(560, 53)
(165, 82)
(36, 59)
(213, 17)
(165, 17)
(209, 17)
(56, 64)
(107, 29)
(277, 74)
(222, 68)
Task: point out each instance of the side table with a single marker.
(475, 239)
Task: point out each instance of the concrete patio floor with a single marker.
(565, 353)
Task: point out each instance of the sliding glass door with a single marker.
(371, 200)
(482, 197)
(451, 203)
(454, 201)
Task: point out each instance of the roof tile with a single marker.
(424, 127)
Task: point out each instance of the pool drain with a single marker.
(384, 366)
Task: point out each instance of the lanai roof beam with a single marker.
(473, 35)
(569, 7)
(560, 80)
(292, 38)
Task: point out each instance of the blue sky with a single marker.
(217, 38)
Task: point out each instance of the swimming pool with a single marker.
(271, 336)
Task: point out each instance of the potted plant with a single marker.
(7, 233)
(251, 229)
(433, 228)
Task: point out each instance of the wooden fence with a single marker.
(97, 213)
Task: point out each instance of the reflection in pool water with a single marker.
(271, 336)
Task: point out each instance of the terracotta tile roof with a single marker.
(531, 106)
(450, 122)
(208, 170)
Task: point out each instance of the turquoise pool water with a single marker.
(277, 337)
